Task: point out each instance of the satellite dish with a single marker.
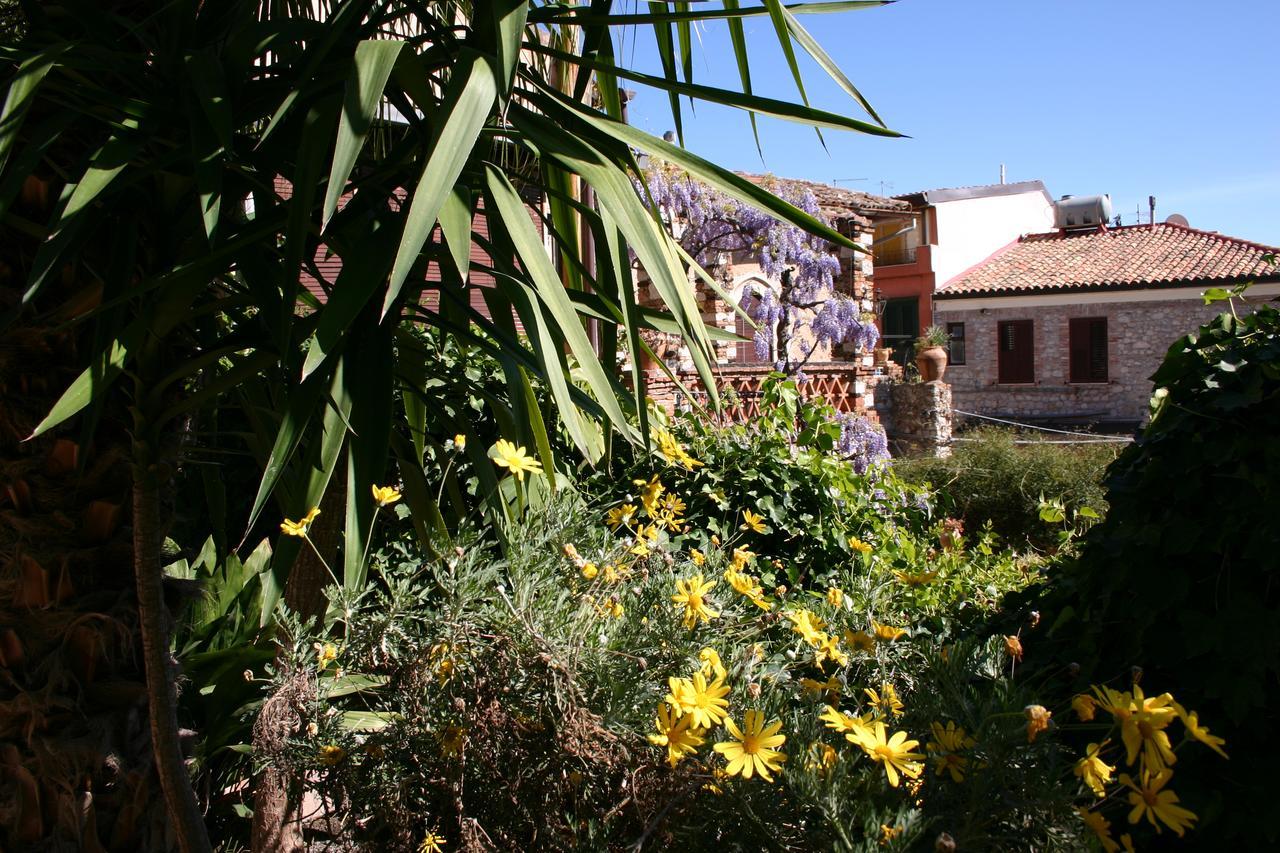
(1178, 219)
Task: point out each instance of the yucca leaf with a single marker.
(551, 292)
(537, 426)
(21, 92)
(464, 108)
(364, 272)
(666, 52)
(302, 402)
(738, 37)
(585, 17)
(371, 67)
(829, 65)
(765, 106)
(370, 385)
(455, 224)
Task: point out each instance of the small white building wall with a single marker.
(972, 229)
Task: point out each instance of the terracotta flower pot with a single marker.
(882, 356)
(932, 363)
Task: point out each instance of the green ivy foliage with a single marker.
(1181, 578)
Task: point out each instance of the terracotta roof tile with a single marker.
(1135, 256)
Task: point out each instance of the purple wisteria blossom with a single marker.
(710, 224)
(862, 442)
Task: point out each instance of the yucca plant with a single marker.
(155, 269)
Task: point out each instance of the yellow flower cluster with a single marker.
(1144, 723)
(897, 752)
(694, 705)
(664, 509)
(744, 584)
(672, 450)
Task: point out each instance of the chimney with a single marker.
(1151, 209)
(1002, 173)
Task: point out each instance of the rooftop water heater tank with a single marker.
(1084, 212)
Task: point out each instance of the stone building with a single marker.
(1070, 325)
(843, 376)
(945, 232)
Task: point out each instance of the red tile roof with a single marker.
(1131, 257)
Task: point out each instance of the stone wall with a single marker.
(917, 417)
(1139, 333)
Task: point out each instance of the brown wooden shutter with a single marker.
(1087, 349)
(1016, 351)
(746, 350)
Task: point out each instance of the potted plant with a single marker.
(931, 353)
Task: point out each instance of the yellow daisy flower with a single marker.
(858, 545)
(915, 578)
(886, 702)
(620, 515)
(330, 755)
(887, 632)
(691, 595)
(946, 746)
(895, 753)
(754, 748)
(300, 527)
(385, 495)
(1191, 722)
(676, 733)
(712, 666)
(1149, 800)
(808, 625)
(1093, 771)
(515, 459)
(751, 521)
(704, 702)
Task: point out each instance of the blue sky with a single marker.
(1176, 99)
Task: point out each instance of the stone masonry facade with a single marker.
(1139, 333)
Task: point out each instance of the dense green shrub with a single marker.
(787, 466)
(989, 477)
(510, 700)
(1181, 579)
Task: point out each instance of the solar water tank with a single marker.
(1082, 212)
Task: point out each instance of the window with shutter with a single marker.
(1087, 349)
(1015, 349)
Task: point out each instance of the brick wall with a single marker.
(1138, 335)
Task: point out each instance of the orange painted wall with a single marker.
(904, 280)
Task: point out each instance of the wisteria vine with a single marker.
(710, 224)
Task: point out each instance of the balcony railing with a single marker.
(739, 387)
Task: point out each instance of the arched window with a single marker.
(745, 352)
